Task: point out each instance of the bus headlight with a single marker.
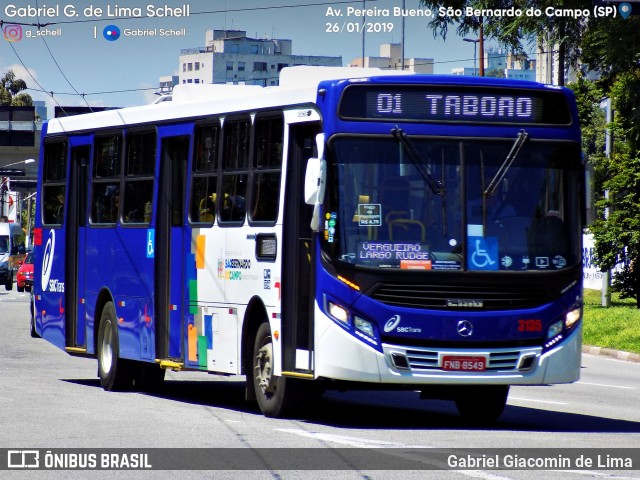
(338, 313)
(364, 326)
(554, 329)
(572, 317)
(4, 266)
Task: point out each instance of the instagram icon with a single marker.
(12, 33)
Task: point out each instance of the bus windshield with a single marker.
(387, 210)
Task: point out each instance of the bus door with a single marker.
(297, 265)
(168, 252)
(76, 223)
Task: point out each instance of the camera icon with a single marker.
(12, 33)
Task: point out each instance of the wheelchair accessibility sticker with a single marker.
(482, 253)
(151, 242)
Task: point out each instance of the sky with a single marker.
(80, 66)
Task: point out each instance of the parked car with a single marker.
(25, 274)
(12, 252)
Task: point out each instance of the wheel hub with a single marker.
(264, 370)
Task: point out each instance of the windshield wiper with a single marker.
(413, 154)
(508, 161)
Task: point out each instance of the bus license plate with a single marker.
(465, 364)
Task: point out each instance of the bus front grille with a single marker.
(426, 360)
(461, 297)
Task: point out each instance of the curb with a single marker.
(608, 352)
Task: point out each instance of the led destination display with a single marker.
(450, 104)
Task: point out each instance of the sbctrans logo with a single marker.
(392, 323)
(23, 459)
(47, 259)
(12, 32)
(111, 33)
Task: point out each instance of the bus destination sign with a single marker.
(453, 104)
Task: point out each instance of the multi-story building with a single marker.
(499, 62)
(391, 59)
(229, 56)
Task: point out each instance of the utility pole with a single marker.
(608, 149)
(481, 48)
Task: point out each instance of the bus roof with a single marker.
(298, 85)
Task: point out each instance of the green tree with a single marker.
(515, 32)
(618, 234)
(10, 88)
(611, 47)
(496, 73)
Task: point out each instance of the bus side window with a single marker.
(235, 163)
(204, 183)
(105, 191)
(54, 183)
(268, 141)
(139, 180)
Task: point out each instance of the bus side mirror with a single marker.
(314, 185)
(315, 182)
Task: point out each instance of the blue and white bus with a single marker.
(346, 229)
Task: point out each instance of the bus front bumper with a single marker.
(341, 356)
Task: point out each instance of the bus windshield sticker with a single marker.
(330, 227)
(391, 255)
(369, 215)
(483, 253)
(415, 264)
(446, 265)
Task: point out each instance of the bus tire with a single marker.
(9, 284)
(483, 404)
(115, 373)
(275, 395)
(32, 322)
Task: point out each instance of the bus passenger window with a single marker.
(235, 163)
(204, 183)
(268, 141)
(203, 199)
(139, 179)
(137, 201)
(106, 204)
(54, 183)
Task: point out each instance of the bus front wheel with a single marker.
(276, 395)
(114, 372)
(486, 404)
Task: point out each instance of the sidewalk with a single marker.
(608, 352)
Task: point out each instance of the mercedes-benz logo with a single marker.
(465, 328)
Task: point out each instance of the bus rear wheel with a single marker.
(483, 404)
(115, 373)
(276, 395)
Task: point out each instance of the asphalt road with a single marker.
(49, 400)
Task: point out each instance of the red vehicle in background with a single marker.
(24, 276)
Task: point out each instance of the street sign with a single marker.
(11, 172)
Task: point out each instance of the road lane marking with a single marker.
(367, 443)
(538, 401)
(606, 386)
(345, 440)
(593, 473)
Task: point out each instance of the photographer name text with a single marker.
(91, 11)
